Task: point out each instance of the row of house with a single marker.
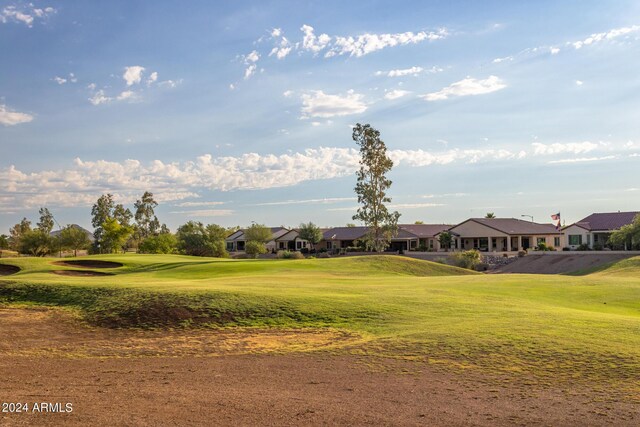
(484, 234)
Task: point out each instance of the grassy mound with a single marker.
(629, 267)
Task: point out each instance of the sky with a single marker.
(234, 112)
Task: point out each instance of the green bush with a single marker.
(467, 259)
(254, 248)
(160, 244)
(583, 247)
(289, 255)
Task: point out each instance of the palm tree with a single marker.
(490, 215)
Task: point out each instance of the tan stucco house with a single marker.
(504, 234)
(595, 230)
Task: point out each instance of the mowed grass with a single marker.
(544, 327)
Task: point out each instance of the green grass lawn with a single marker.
(547, 327)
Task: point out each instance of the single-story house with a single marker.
(595, 230)
(504, 234)
(236, 241)
(409, 237)
(291, 240)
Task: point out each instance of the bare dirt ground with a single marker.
(256, 377)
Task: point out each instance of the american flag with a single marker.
(556, 217)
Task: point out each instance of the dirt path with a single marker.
(218, 387)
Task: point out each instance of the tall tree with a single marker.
(255, 238)
(122, 215)
(311, 233)
(17, 231)
(371, 188)
(74, 238)
(100, 212)
(46, 221)
(115, 235)
(147, 223)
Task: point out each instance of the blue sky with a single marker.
(232, 112)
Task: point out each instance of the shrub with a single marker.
(289, 255)
(160, 244)
(324, 254)
(467, 259)
(521, 254)
(253, 248)
(598, 247)
(583, 247)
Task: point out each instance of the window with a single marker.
(329, 245)
(575, 239)
(556, 242)
(298, 244)
(589, 239)
(430, 243)
(414, 243)
(541, 240)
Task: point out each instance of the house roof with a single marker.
(344, 233)
(425, 230)
(239, 235)
(608, 221)
(514, 226)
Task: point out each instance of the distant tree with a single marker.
(122, 215)
(164, 229)
(371, 188)
(46, 221)
(351, 225)
(74, 238)
(419, 222)
(4, 241)
(146, 221)
(115, 235)
(100, 212)
(256, 237)
(17, 231)
(197, 240)
(258, 233)
(490, 215)
(253, 248)
(36, 243)
(445, 238)
(628, 236)
(311, 233)
(163, 243)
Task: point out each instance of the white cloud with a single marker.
(9, 117)
(282, 47)
(503, 59)
(26, 15)
(232, 86)
(312, 42)
(133, 74)
(153, 77)
(397, 93)
(83, 182)
(319, 104)
(554, 50)
(250, 61)
(413, 71)
(582, 159)
(100, 98)
(174, 83)
(287, 93)
(605, 36)
(127, 94)
(325, 201)
(365, 44)
(59, 80)
(197, 204)
(204, 213)
(467, 87)
(563, 148)
(73, 78)
(579, 82)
